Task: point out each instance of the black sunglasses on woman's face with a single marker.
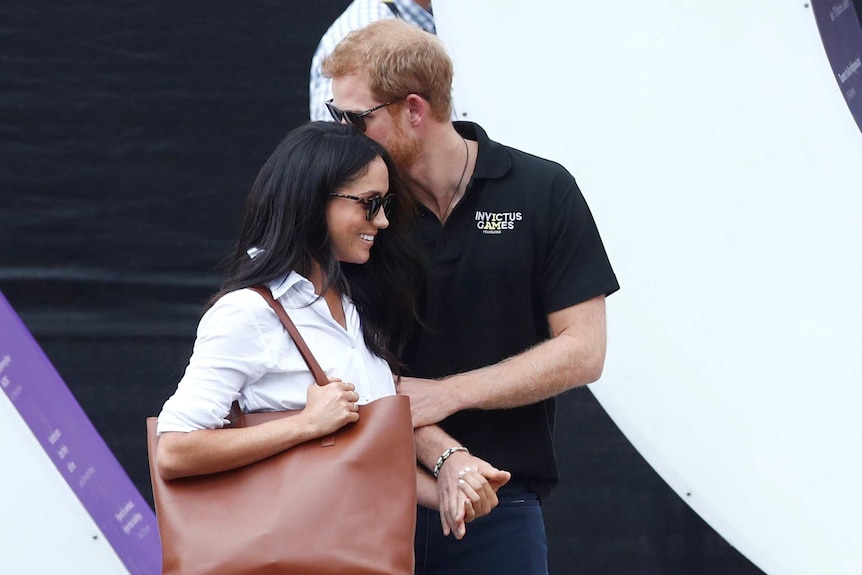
(355, 119)
(373, 205)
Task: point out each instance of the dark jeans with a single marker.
(508, 541)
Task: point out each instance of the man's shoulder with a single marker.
(540, 171)
(519, 161)
(535, 162)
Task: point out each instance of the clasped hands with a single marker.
(466, 485)
(466, 489)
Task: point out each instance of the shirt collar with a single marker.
(493, 160)
(282, 285)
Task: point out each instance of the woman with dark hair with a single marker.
(322, 228)
(326, 229)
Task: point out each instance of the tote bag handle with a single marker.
(310, 361)
(236, 416)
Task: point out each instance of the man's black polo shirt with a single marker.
(521, 244)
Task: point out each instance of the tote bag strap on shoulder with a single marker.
(310, 361)
(236, 416)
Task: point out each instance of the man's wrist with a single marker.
(445, 455)
(454, 393)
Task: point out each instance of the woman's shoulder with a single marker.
(239, 307)
(241, 299)
(292, 290)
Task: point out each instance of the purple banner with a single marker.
(841, 33)
(81, 456)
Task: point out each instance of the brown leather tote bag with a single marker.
(344, 504)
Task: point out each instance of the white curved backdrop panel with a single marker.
(725, 172)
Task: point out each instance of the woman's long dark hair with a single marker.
(285, 218)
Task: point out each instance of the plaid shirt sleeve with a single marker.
(358, 14)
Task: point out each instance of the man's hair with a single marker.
(398, 59)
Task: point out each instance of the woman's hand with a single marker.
(480, 490)
(467, 488)
(330, 407)
(204, 451)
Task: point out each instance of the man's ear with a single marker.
(418, 109)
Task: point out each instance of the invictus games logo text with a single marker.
(496, 222)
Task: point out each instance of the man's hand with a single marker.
(467, 488)
(430, 400)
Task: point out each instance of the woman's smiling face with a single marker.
(351, 233)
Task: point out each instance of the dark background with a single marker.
(129, 135)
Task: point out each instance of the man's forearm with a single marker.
(574, 356)
(431, 442)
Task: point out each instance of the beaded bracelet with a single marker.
(445, 456)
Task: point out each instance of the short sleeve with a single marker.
(576, 266)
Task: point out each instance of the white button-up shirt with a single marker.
(243, 352)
